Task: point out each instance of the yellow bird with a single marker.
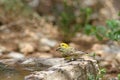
(69, 53)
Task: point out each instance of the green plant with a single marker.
(68, 21)
(110, 31)
(86, 13)
(118, 76)
(114, 30)
(91, 77)
(99, 76)
(16, 7)
(93, 55)
(69, 25)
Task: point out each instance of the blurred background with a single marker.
(34, 28)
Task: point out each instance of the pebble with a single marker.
(48, 42)
(15, 55)
(2, 49)
(28, 61)
(118, 57)
(1, 53)
(89, 2)
(26, 48)
(44, 48)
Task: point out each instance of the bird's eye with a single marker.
(62, 45)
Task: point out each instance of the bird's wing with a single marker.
(75, 51)
(80, 52)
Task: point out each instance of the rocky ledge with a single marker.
(59, 69)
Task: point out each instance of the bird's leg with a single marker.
(69, 58)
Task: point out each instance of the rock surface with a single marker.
(63, 70)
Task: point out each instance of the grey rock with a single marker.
(48, 42)
(74, 70)
(15, 55)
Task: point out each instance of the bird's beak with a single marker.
(58, 49)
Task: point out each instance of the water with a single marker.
(12, 73)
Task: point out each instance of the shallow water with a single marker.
(14, 76)
(13, 73)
